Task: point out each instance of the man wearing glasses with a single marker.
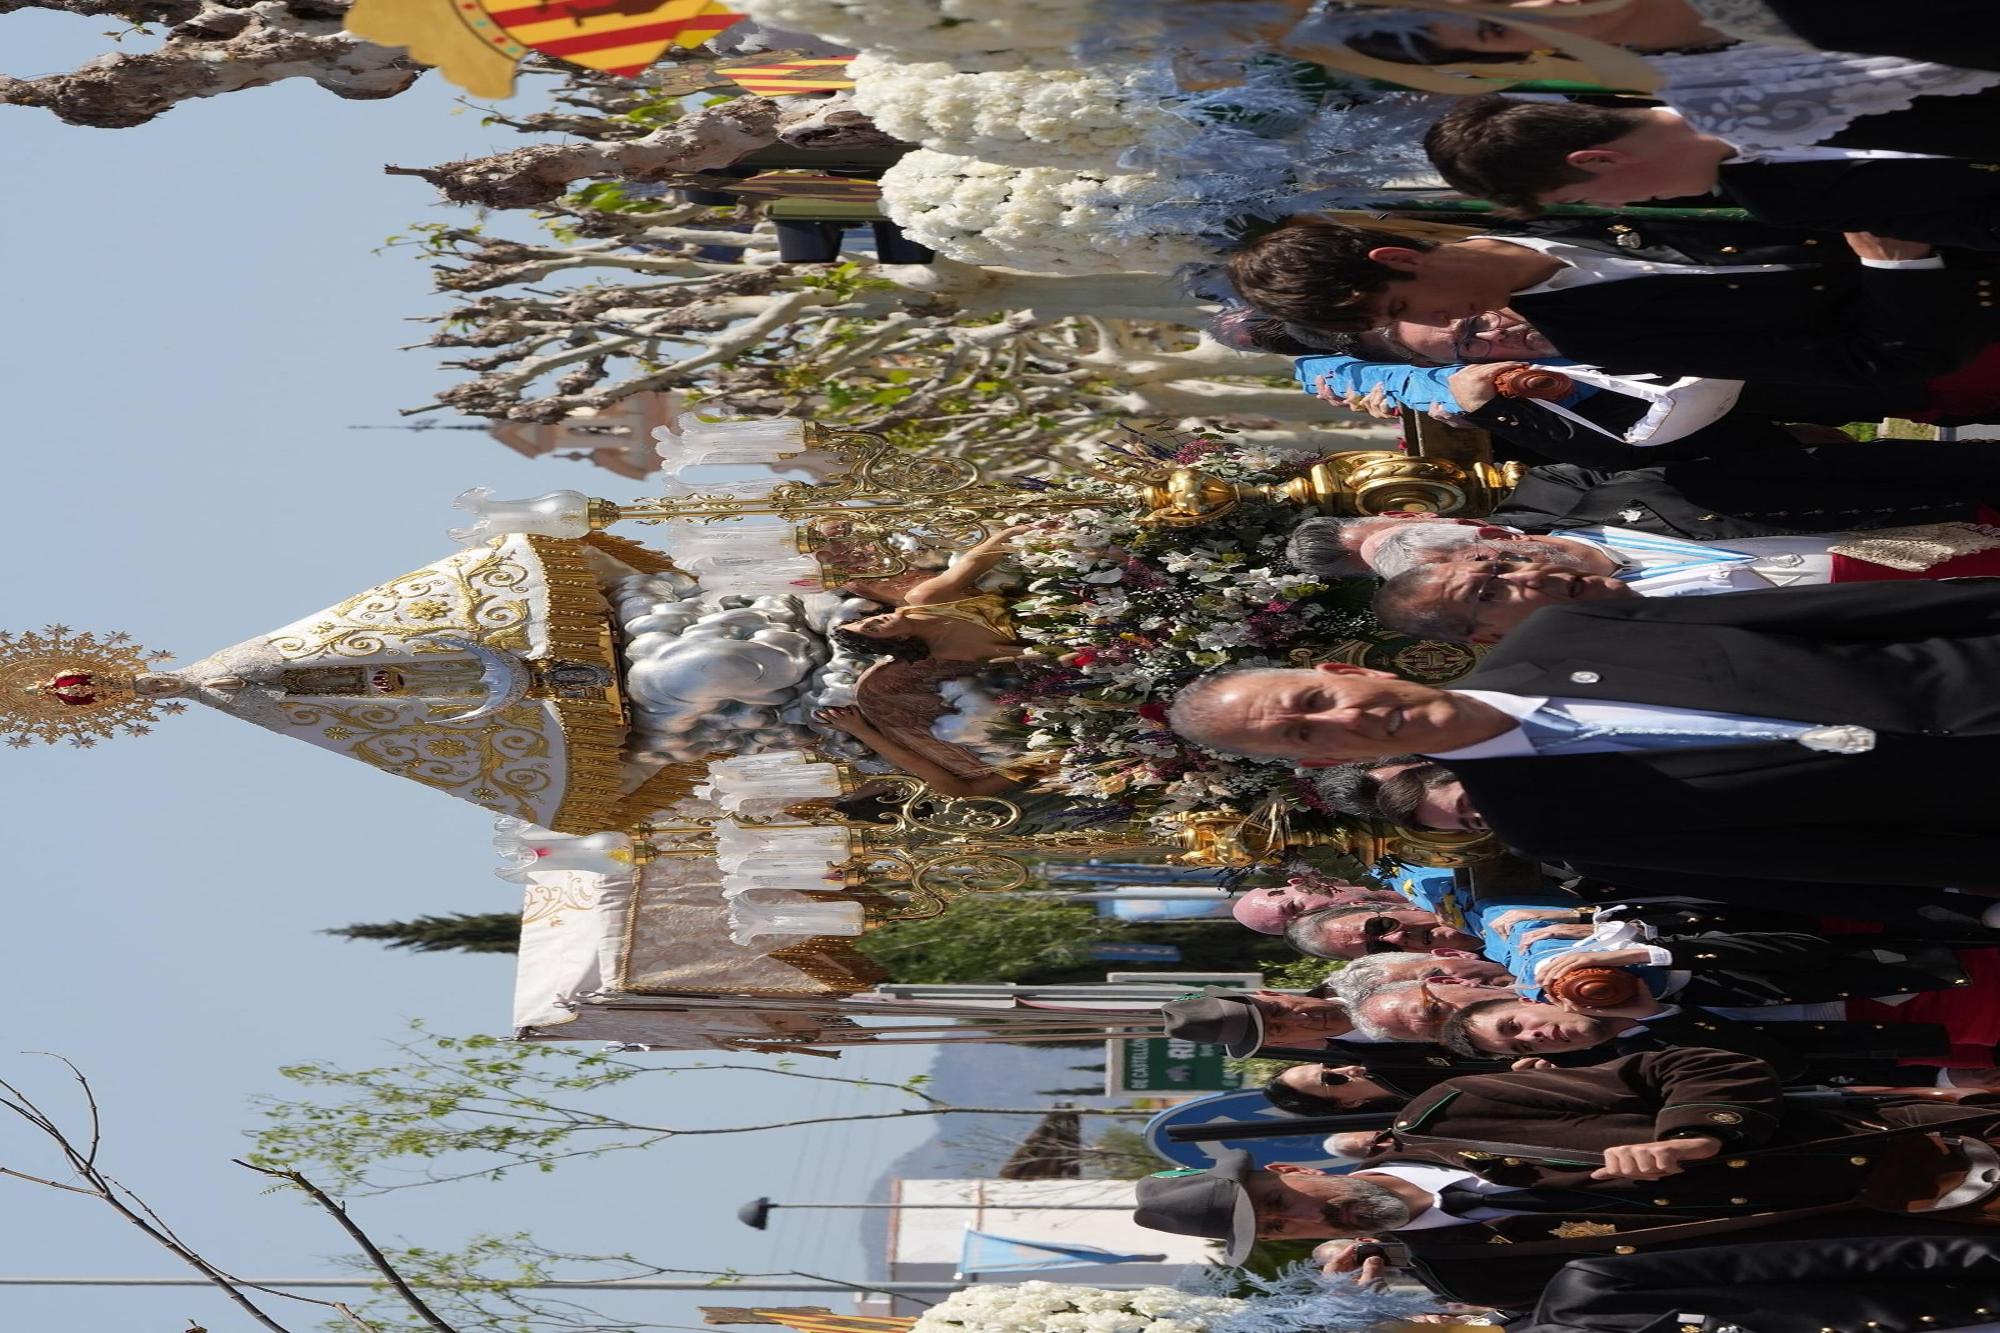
(1351, 932)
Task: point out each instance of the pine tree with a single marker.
(468, 932)
(991, 937)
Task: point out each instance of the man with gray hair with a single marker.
(1414, 545)
(1338, 548)
(1371, 928)
(1419, 1010)
(1364, 976)
(1479, 601)
(1834, 735)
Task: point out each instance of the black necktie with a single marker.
(1462, 1200)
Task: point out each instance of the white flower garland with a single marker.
(1029, 118)
(1043, 219)
(1051, 1307)
(969, 34)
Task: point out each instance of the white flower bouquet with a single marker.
(1043, 219)
(1053, 1307)
(1298, 1300)
(1076, 118)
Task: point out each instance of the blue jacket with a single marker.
(1415, 387)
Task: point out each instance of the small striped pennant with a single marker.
(825, 74)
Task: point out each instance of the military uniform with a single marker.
(1833, 1165)
(1871, 1285)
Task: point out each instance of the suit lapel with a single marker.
(1597, 676)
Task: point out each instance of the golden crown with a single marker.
(59, 685)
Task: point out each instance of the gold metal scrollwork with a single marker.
(970, 872)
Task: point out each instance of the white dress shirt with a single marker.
(1514, 743)
(1822, 153)
(1584, 266)
(1672, 566)
(1434, 1179)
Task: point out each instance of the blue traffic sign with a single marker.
(1136, 953)
(1244, 1104)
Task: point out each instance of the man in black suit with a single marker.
(1801, 1049)
(1753, 968)
(1896, 1284)
(1477, 351)
(1489, 1185)
(1804, 488)
(1810, 734)
(1965, 33)
(1899, 317)
(1523, 155)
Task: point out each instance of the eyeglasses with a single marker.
(1468, 340)
(1376, 930)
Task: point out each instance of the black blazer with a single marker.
(1736, 969)
(1803, 488)
(1943, 200)
(1532, 430)
(1688, 240)
(1954, 126)
(1965, 33)
(1780, 1286)
(1797, 1051)
(1833, 326)
(1912, 910)
(1531, 1132)
(1913, 662)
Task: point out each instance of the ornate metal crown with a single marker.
(58, 685)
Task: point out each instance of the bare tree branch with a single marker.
(376, 1258)
(81, 1160)
(524, 177)
(211, 48)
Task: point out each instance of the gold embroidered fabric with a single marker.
(673, 938)
(1919, 548)
(382, 676)
(1583, 1230)
(987, 609)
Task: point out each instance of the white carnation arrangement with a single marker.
(1043, 219)
(1078, 118)
(968, 34)
(1053, 1307)
(1298, 1300)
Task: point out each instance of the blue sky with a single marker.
(194, 320)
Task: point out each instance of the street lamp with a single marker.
(756, 1214)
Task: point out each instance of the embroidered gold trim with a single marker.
(1583, 1230)
(579, 630)
(636, 554)
(1919, 548)
(833, 962)
(664, 789)
(826, 959)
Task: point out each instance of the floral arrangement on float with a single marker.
(1291, 1303)
(1066, 136)
(1122, 613)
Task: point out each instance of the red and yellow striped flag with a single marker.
(616, 36)
(804, 185)
(826, 74)
(840, 1323)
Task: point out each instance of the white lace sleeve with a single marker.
(1747, 20)
(1771, 98)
